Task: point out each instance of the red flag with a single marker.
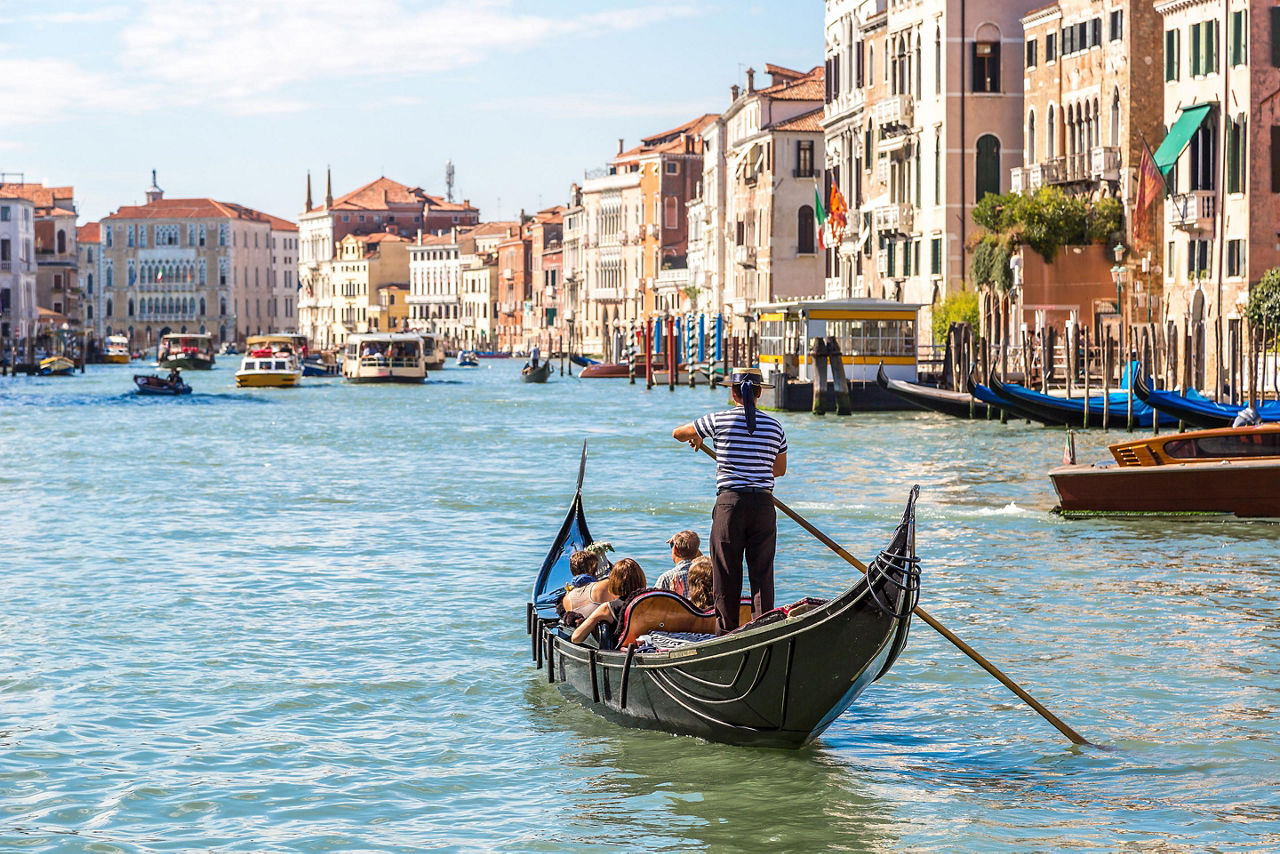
(837, 214)
(1151, 188)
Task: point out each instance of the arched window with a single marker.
(131, 307)
(1031, 137)
(804, 230)
(89, 284)
(62, 242)
(919, 65)
(937, 61)
(202, 311)
(1050, 137)
(110, 311)
(987, 167)
(871, 64)
(222, 308)
(88, 311)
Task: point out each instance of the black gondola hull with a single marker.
(953, 403)
(536, 375)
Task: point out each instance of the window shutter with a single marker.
(1275, 36)
(1275, 158)
(1195, 50)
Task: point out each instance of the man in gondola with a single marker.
(751, 451)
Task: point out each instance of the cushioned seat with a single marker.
(661, 610)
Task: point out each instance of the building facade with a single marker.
(1221, 159)
(89, 249)
(57, 259)
(187, 265)
(17, 271)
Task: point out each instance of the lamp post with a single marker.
(1118, 273)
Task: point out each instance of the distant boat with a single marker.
(117, 352)
(467, 359)
(582, 361)
(539, 374)
(1198, 410)
(605, 370)
(148, 384)
(187, 351)
(1229, 470)
(270, 361)
(384, 357)
(56, 366)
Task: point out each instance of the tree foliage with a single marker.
(990, 265)
(1264, 301)
(1046, 221)
(956, 307)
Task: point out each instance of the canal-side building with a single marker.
(17, 270)
(480, 283)
(57, 259)
(513, 286)
(769, 146)
(187, 265)
(435, 284)
(364, 264)
(544, 314)
(923, 117)
(1221, 159)
(89, 249)
(1087, 75)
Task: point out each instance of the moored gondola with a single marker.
(999, 404)
(1113, 412)
(1197, 410)
(955, 403)
(778, 681)
(539, 374)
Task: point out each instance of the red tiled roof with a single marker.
(279, 223)
(380, 195)
(485, 229)
(808, 87)
(803, 122)
(669, 140)
(378, 237)
(90, 232)
(439, 203)
(58, 212)
(38, 194)
(192, 209)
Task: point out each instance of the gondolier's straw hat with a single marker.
(739, 375)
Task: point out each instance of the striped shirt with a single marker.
(744, 460)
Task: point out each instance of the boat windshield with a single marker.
(1243, 444)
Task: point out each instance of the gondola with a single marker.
(159, 386)
(1197, 410)
(582, 361)
(779, 681)
(1111, 412)
(956, 403)
(998, 404)
(539, 374)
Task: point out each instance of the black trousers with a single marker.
(743, 524)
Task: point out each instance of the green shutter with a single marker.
(1196, 50)
(1237, 38)
(1275, 36)
(1233, 157)
(1168, 55)
(1211, 47)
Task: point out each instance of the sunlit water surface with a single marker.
(293, 620)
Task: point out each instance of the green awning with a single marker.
(1179, 136)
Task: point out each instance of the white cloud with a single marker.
(96, 16)
(576, 106)
(36, 90)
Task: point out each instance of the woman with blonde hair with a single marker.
(700, 572)
(625, 579)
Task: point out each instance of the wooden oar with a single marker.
(1076, 738)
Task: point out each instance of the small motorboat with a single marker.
(1223, 471)
(582, 361)
(467, 359)
(188, 351)
(160, 386)
(56, 366)
(608, 370)
(539, 374)
(117, 352)
(270, 362)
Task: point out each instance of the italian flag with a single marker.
(821, 216)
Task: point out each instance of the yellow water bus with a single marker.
(270, 361)
(117, 351)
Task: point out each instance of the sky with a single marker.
(237, 99)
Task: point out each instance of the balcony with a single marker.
(1192, 211)
(1070, 169)
(1104, 163)
(894, 111)
(893, 217)
(745, 256)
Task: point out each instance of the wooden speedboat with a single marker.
(779, 681)
(56, 366)
(1198, 410)
(186, 351)
(530, 374)
(1221, 471)
(117, 350)
(160, 386)
(607, 370)
(955, 403)
(270, 361)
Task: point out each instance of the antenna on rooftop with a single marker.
(448, 180)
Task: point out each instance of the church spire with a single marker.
(309, 190)
(328, 187)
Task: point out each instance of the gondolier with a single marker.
(751, 450)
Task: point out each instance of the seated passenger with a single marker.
(582, 568)
(700, 583)
(624, 579)
(684, 548)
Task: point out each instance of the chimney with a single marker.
(619, 145)
(309, 205)
(453, 234)
(733, 93)
(751, 80)
(419, 237)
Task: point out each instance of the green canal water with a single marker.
(293, 620)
